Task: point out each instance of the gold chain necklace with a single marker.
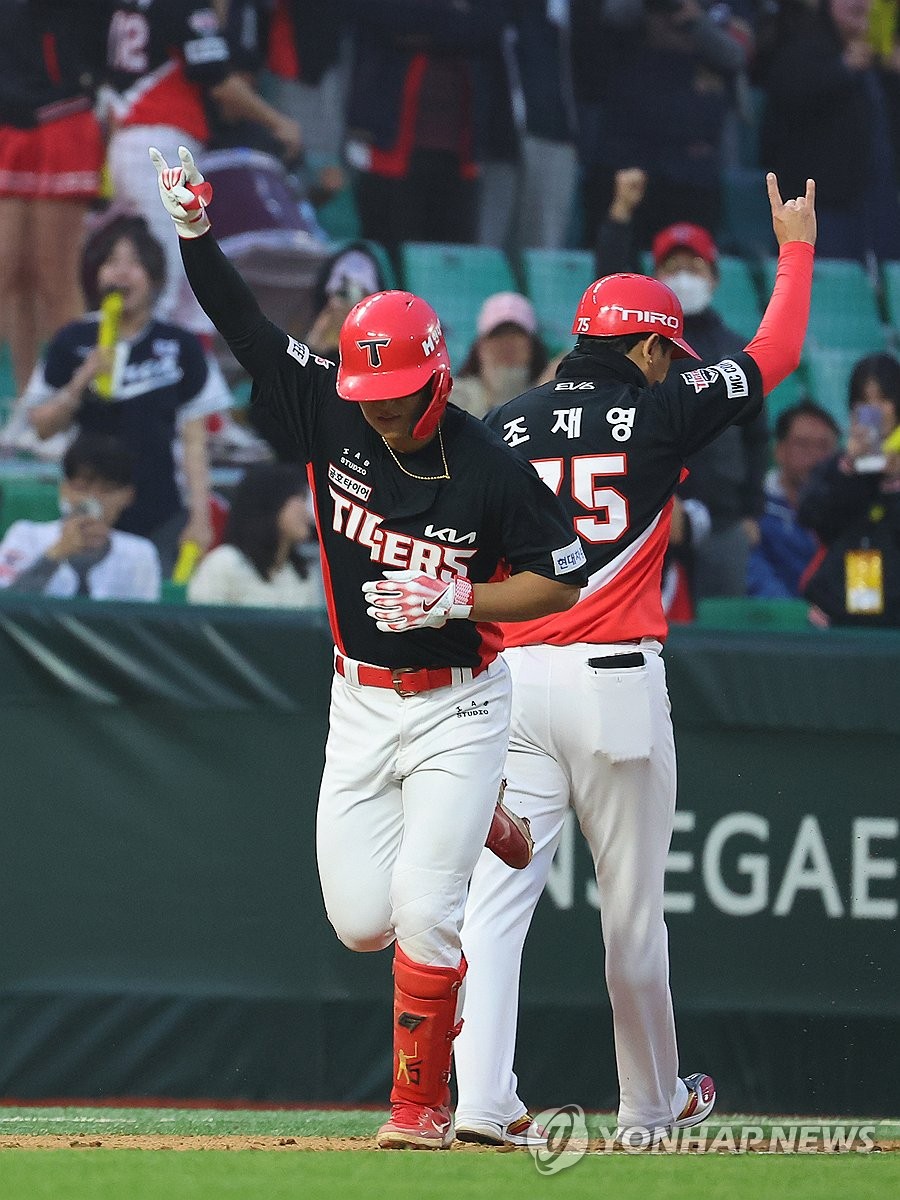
(423, 478)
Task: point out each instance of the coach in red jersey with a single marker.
(432, 530)
(591, 728)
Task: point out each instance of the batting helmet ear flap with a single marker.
(441, 386)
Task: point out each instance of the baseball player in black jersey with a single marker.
(591, 728)
(431, 529)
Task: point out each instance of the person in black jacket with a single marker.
(429, 101)
(727, 476)
(820, 68)
(853, 503)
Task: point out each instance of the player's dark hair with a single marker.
(252, 525)
(884, 369)
(536, 362)
(803, 408)
(99, 456)
(101, 244)
(621, 344)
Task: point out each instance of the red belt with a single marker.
(406, 681)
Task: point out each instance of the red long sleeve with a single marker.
(777, 344)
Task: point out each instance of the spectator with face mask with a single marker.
(506, 357)
(81, 554)
(726, 476)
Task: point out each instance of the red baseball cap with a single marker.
(627, 303)
(684, 236)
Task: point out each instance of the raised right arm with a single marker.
(222, 294)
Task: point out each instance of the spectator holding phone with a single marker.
(853, 503)
(81, 554)
(348, 276)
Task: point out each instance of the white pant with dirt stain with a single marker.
(600, 741)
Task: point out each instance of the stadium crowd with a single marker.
(524, 141)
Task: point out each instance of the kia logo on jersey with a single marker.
(373, 347)
(449, 535)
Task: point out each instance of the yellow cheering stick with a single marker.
(107, 336)
(188, 557)
(892, 442)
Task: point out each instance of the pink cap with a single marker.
(506, 308)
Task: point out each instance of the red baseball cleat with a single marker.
(509, 837)
(416, 1127)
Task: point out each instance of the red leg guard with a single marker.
(425, 1002)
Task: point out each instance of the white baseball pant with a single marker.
(564, 714)
(406, 800)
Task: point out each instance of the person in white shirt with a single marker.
(81, 554)
(260, 561)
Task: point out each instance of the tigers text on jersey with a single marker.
(160, 52)
(492, 517)
(612, 447)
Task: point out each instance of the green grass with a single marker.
(245, 1175)
(182, 1122)
(124, 1174)
(213, 1122)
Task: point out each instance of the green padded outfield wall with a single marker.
(163, 931)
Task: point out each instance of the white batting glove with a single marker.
(410, 600)
(185, 193)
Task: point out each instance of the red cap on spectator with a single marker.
(684, 236)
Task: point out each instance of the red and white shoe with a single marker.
(416, 1127)
(700, 1101)
(509, 837)
(521, 1132)
(699, 1104)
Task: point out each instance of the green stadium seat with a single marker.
(27, 500)
(456, 280)
(749, 613)
(7, 382)
(828, 371)
(890, 275)
(173, 593)
(746, 226)
(791, 391)
(844, 313)
(737, 300)
(554, 281)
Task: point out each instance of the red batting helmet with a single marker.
(391, 345)
(620, 304)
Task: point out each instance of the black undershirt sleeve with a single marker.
(228, 302)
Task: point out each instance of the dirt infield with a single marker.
(199, 1142)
